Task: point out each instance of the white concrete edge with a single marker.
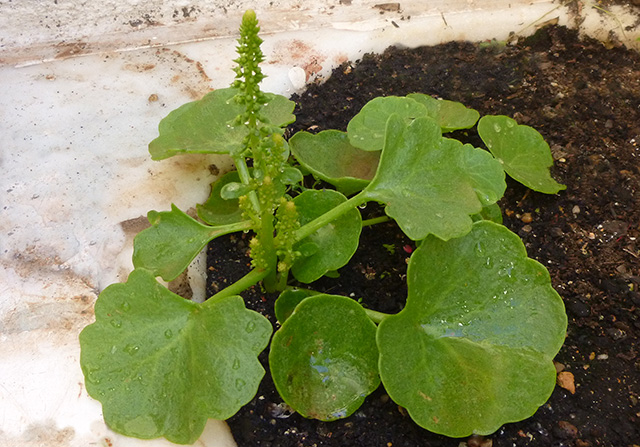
(604, 23)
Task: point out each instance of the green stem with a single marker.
(330, 216)
(245, 177)
(248, 280)
(282, 280)
(375, 220)
(266, 239)
(376, 316)
(231, 228)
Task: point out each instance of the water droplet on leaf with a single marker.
(240, 384)
(497, 127)
(236, 364)
(116, 323)
(251, 326)
(168, 333)
(92, 376)
(125, 306)
(131, 349)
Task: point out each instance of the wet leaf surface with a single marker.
(170, 363)
(324, 359)
(474, 346)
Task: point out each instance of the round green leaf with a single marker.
(329, 156)
(218, 211)
(291, 175)
(324, 359)
(234, 190)
(490, 212)
(430, 184)
(162, 365)
(521, 149)
(334, 244)
(450, 115)
(204, 126)
(366, 130)
(473, 348)
(288, 300)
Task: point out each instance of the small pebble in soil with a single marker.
(477, 441)
(616, 334)
(566, 380)
(565, 430)
(556, 232)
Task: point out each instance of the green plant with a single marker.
(481, 323)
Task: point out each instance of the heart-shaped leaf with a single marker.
(329, 156)
(334, 243)
(366, 130)
(218, 211)
(324, 359)
(474, 345)
(162, 365)
(205, 125)
(173, 241)
(450, 115)
(521, 149)
(432, 184)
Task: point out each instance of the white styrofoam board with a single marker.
(73, 138)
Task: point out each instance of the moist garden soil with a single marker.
(585, 100)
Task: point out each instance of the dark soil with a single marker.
(585, 100)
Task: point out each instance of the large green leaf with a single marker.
(162, 365)
(324, 359)
(329, 156)
(521, 149)
(173, 241)
(474, 345)
(333, 244)
(366, 130)
(204, 126)
(432, 184)
(450, 115)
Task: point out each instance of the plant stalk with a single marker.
(330, 216)
(245, 178)
(248, 280)
(266, 238)
(375, 220)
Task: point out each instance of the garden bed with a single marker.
(585, 100)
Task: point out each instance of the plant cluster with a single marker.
(472, 348)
